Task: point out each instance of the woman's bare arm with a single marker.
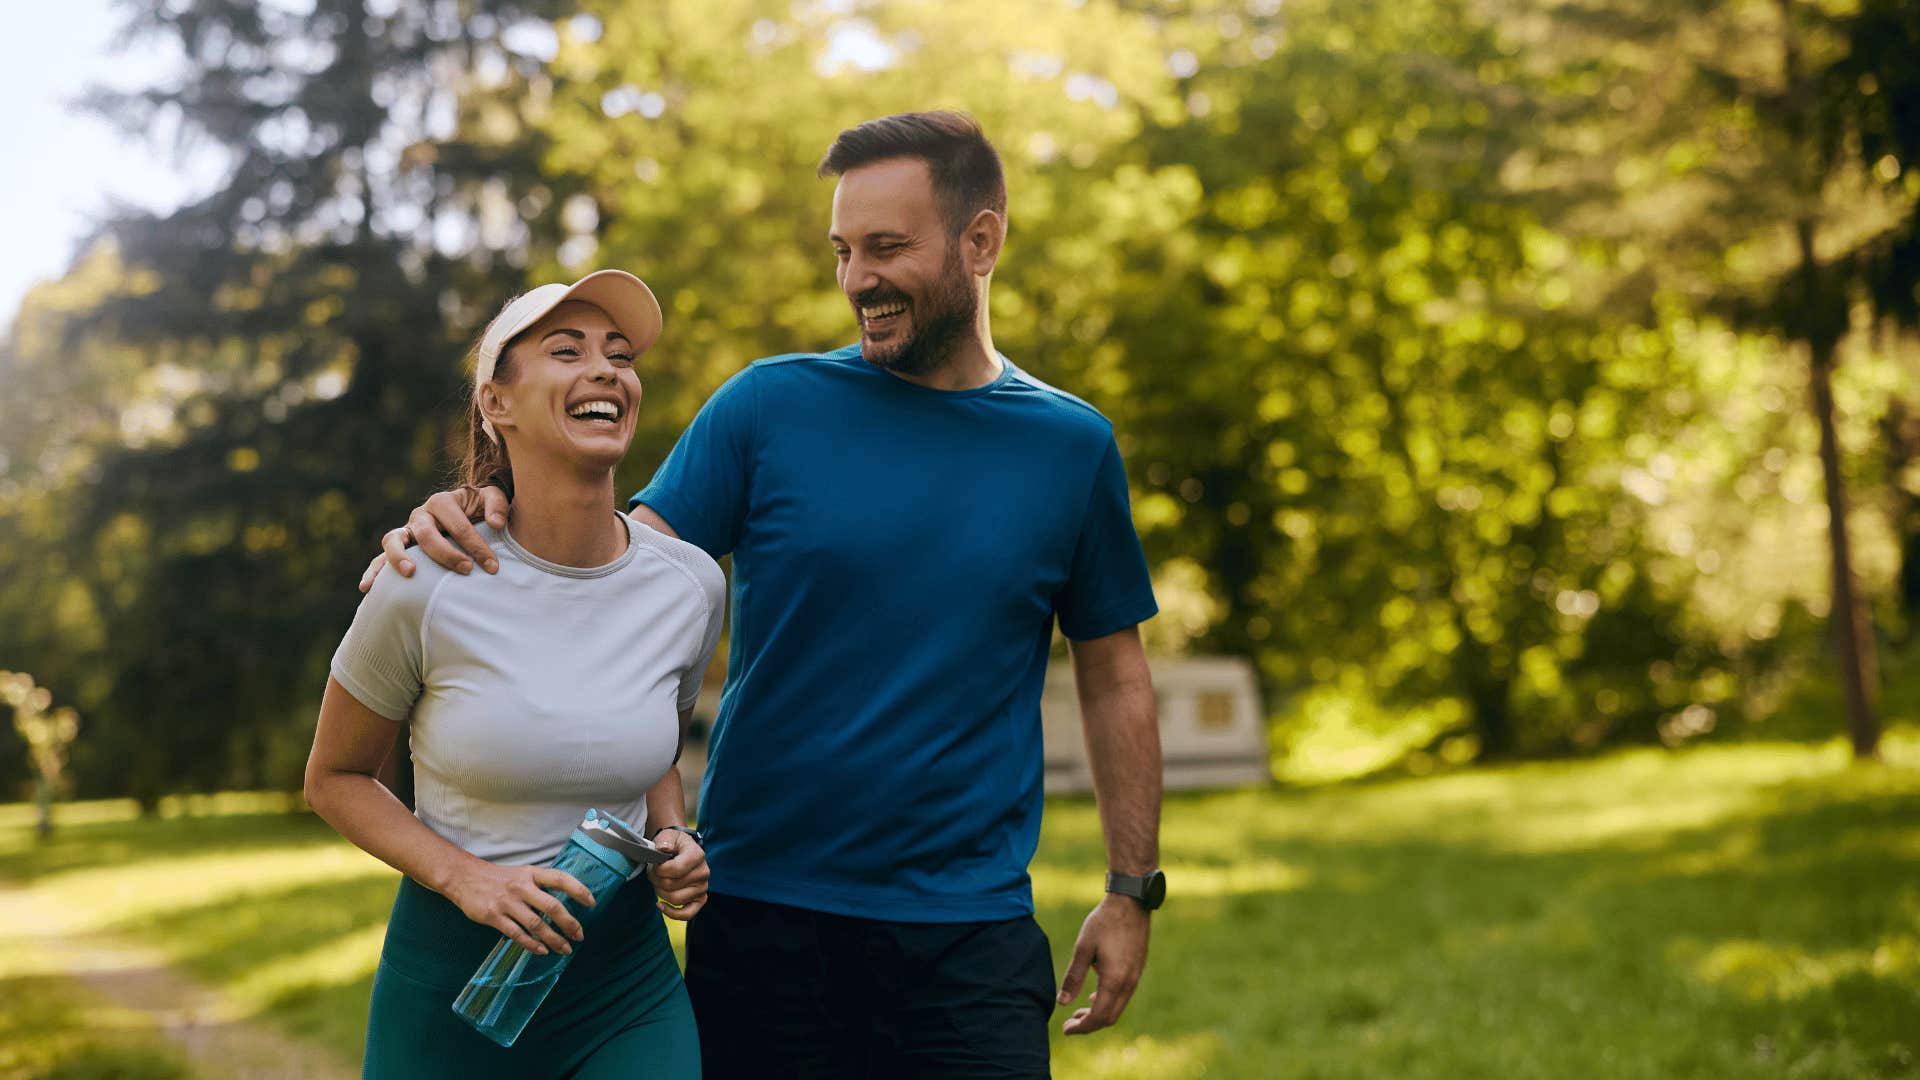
(349, 745)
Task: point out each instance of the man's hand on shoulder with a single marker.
(443, 528)
(1113, 942)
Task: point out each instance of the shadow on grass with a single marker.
(281, 938)
(51, 1031)
(120, 843)
(1783, 942)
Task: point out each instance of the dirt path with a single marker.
(219, 1043)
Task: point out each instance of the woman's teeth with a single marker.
(595, 410)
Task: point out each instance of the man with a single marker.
(907, 517)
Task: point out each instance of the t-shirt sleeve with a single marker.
(1108, 588)
(713, 584)
(701, 489)
(382, 660)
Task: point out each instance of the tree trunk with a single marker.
(1902, 440)
(1852, 631)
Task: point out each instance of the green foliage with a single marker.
(1445, 339)
(232, 400)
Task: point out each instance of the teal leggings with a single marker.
(619, 1010)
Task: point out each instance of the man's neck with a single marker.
(970, 367)
(973, 363)
(564, 517)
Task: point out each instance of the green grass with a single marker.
(1748, 910)
(50, 1029)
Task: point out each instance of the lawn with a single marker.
(1749, 910)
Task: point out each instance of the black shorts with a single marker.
(786, 992)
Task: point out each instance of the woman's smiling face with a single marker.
(571, 392)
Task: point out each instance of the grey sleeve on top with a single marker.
(382, 661)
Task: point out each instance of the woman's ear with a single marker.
(495, 405)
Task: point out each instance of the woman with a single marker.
(529, 696)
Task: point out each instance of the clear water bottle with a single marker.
(603, 852)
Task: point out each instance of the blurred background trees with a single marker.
(1502, 375)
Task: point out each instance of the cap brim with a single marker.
(626, 300)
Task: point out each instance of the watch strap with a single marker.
(679, 828)
(1133, 886)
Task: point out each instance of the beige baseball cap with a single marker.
(625, 298)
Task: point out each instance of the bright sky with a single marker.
(66, 166)
(69, 166)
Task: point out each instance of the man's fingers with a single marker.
(1109, 1000)
(493, 503)
(1082, 1022)
(378, 564)
(450, 515)
(1076, 971)
(393, 549)
(428, 533)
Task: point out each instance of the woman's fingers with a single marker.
(556, 913)
(677, 888)
(516, 933)
(689, 862)
(681, 882)
(685, 911)
(547, 877)
(530, 920)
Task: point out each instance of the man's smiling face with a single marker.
(899, 267)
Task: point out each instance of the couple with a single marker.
(908, 518)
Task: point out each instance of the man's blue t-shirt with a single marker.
(900, 555)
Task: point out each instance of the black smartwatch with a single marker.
(1148, 890)
(678, 828)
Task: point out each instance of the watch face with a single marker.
(1156, 890)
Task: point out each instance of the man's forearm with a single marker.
(1123, 749)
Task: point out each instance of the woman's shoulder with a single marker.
(414, 593)
(699, 566)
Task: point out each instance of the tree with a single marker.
(1788, 214)
(306, 319)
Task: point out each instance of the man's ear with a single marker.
(980, 242)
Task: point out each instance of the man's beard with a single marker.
(940, 324)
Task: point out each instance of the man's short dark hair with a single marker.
(966, 171)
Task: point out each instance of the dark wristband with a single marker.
(677, 828)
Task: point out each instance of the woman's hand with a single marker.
(681, 882)
(513, 899)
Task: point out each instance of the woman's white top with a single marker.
(537, 692)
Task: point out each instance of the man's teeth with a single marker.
(595, 410)
(883, 310)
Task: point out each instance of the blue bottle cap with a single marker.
(604, 834)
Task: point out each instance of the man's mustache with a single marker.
(876, 297)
